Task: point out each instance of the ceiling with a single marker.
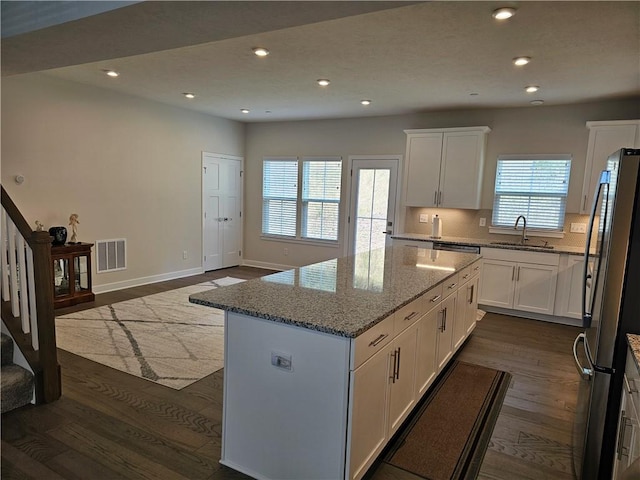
(405, 57)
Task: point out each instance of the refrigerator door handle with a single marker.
(605, 178)
(585, 373)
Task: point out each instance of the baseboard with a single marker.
(574, 322)
(136, 282)
(266, 265)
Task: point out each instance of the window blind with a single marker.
(321, 181)
(535, 187)
(279, 196)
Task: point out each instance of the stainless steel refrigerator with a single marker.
(611, 309)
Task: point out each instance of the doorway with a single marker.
(372, 206)
(221, 211)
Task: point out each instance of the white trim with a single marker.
(301, 241)
(530, 233)
(135, 282)
(267, 266)
(483, 129)
(610, 123)
(531, 315)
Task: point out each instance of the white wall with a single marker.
(545, 129)
(127, 166)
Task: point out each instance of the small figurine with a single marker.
(73, 221)
(39, 226)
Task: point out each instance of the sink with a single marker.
(518, 244)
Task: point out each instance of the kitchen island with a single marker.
(323, 363)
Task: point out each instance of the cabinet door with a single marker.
(471, 312)
(424, 154)
(603, 141)
(462, 164)
(426, 366)
(445, 330)
(497, 287)
(535, 288)
(569, 293)
(402, 392)
(459, 326)
(368, 415)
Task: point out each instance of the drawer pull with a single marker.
(410, 316)
(464, 277)
(452, 285)
(476, 268)
(436, 298)
(631, 386)
(376, 342)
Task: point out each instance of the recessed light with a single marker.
(261, 52)
(244, 110)
(536, 102)
(519, 61)
(323, 82)
(365, 102)
(531, 88)
(111, 73)
(189, 95)
(503, 13)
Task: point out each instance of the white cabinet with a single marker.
(604, 139)
(467, 307)
(402, 365)
(445, 330)
(628, 439)
(569, 293)
(439, 161)
(426, 366)
(519, 280)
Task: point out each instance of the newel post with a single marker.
(43, 279)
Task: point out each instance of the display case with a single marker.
(71, 274)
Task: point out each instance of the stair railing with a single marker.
(27, 294)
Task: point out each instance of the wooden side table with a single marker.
(71, 274)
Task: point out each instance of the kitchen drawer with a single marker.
(408, 315)
(450, 285)
(433, 297)
(371, 341)
(521, 256)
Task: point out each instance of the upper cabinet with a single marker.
(604, 139)
(444, 167)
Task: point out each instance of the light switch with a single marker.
(578, 228)
(424, 218)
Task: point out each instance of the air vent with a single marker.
(111, 255)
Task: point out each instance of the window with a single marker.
(533, 186)
(321, 198)
(279, 196)
(318, 200)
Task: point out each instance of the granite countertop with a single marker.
(634, 345)
(345, 296)
(479, 242)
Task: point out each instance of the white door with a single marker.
(222, 210)
(374, 185)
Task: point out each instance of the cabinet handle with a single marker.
(473, 292)
(476, 268)
(398, 367)
(393, 370)
(435, 198)
(452, 285)
(464, 277)
(382, 336)
(518, 274)
(513, 273)
(435, 299)
(440, 197)
(584, 202)
(409, 317)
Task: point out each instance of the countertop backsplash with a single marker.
(466, 224)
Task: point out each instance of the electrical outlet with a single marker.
(483, 222)
(281, 360)
(424, 218)
(578, 228)
(286, 251)
(184, 254)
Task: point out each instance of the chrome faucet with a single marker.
(524, 228)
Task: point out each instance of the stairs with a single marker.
(17, 383)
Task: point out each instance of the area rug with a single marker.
(161, 337)
(449, 434)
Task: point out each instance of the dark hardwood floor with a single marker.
(110, 425)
